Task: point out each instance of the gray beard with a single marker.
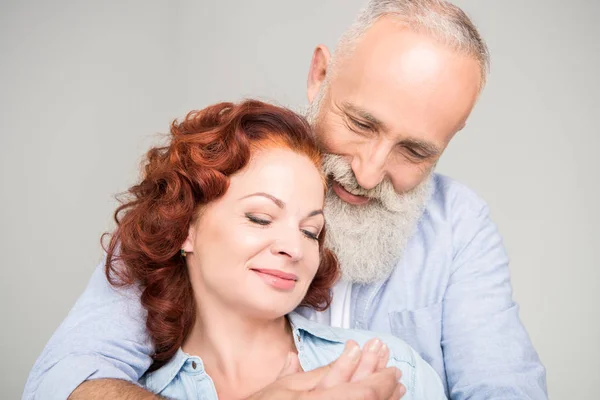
(369, 240)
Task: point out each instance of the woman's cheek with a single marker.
(315, 266)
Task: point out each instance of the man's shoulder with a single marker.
(450, 198)
(452, 210)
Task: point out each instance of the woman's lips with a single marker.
(277, 279)
(349, 197)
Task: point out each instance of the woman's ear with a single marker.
(318, 71)
(188, 244)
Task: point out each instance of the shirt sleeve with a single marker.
(427, 384)
(103, 336)
(487, 352)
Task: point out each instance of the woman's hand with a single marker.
(360, 364)
(356, 375)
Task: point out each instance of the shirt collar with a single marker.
(162, 377)
(321, 331)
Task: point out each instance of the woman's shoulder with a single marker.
(323, 344)
(182, 377)
(325, 335)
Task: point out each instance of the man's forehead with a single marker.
(384, 37)
(407, 82)
(390, 52)
(402, 55)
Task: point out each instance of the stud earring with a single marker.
(183, 253)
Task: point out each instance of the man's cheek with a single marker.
(408, 180)
(334, 141)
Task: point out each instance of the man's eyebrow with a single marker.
(361, 112)
(279, 203)
(429, 148)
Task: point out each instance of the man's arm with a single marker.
(487, 352)
(111, 389)
(104, 336)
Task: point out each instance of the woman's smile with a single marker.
(277, 279)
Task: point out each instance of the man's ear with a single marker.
(318, 71)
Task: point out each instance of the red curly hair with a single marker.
(192, 170)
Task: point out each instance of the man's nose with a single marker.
(369, 166)
(288, 244)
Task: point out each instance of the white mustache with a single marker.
(341, 172)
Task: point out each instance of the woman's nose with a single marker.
(288, 245)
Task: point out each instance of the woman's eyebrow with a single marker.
(280, 203)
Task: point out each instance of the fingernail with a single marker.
(375, 346)
(383, 350)
(398, 374)
(402, 390)
(354, 352)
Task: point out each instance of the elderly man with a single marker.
(420, 257)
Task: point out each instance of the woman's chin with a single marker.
(274, 303)
(272, 310)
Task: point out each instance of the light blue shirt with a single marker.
(184, 377)
(449, 297)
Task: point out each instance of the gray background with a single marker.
(86, 88)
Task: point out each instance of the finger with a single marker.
(381, 385)
(383, 382)
(343, 391)
(291, 366)
(369, 359)
(371, 390)
(304, 381)
(342, 369)
(399, 391)
(384, 356)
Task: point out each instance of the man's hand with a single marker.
(356, 375)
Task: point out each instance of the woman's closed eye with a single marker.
(312, 231)
(263, 221)
(310, 235)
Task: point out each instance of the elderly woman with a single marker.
(224, 235)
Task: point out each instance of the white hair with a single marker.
(438, 18)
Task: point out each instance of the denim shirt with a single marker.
(449, 297)
(184, 377)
